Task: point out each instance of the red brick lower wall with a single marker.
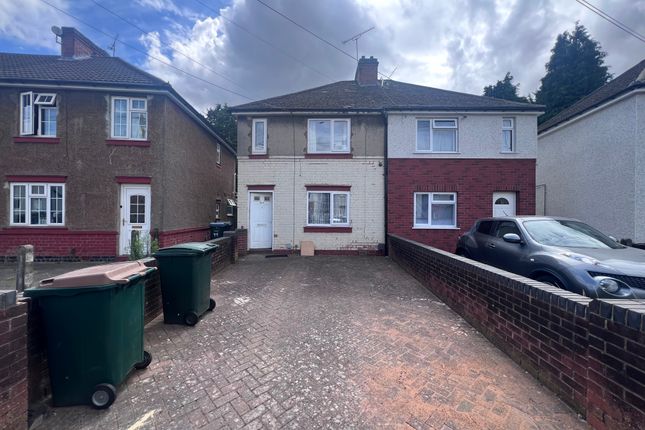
(242, 242)
(474, 181)
(173, 237)
(589, 352)
(13, 366)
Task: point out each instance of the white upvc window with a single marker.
(129, 118)
(259, 144)
(437, 135)
(36, 204)
(38, 114)
(328, 135)
(508, 135)
(435, 210)
(326, 208)
(219, 153)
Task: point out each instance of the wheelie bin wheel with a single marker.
(191, 318)
(211, 304)
(103, 396)
(147, 359)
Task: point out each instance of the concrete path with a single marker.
(324, 342)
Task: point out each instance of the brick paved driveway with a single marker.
(324, 342)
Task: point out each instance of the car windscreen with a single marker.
(573, 234)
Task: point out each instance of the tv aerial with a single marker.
(356, 37)
(58, 32)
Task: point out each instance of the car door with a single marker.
(502, 254)
(481, 238)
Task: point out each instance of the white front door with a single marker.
(261, 220)
(135, 216)
(504, 204)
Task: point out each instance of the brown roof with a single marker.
(628, 81)
(391, 95)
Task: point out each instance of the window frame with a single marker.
(28, 196)
(253, 136)
(311, 145)
(331, 209)
(219, 154)
(128, 120)
(22, 113)
(433, 127)
(431, 200)
(512, 130)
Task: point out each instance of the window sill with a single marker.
(330, 155)
(331, 229)
(258, 156)
(23, 228)
(35, 139)
(416, 227)
(507, 152)
(127, 142)
(436, 152)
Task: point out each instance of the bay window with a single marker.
(328, 208)
(37, 204)
(435, 210)
(437, 135)
(129, 118)
(38, 114)
(328, 135)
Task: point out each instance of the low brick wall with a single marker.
(13, 362)
(173, 237)
(153, 303)
(589, 352)
(242, 242)
(224, 254)
(51, 244)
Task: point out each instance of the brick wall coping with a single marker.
(630, 312)
(7, 298)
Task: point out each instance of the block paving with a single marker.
(324, 342)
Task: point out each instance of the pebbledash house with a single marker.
(96, 151)
(342, 164)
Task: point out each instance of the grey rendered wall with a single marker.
(588, 168)
(639, 185)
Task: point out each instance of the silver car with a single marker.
(562, 252)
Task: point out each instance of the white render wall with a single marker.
(594, 169)
(479, 135)
(290, 175)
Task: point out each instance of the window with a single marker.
(437, 135)
(219, 154)
(218, 205)
(259, 136)
(485, 227)
(328, 208)
(229, 207)
(435, 210)
(328, 135)
(37, 204)
(508, 138)
(504, 227)
(129, 118)
(38, 113)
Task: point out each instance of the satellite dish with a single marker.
(57, 31)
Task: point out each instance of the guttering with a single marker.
(415, 111)
(312, 112)
(584, 114)
(385, 177)
(462, 111)
(153, 89)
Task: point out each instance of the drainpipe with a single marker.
(385, 167)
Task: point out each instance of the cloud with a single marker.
(29, 22)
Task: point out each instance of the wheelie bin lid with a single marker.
(220, 224)
(187, 249)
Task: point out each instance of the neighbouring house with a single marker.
(591, 159)
(321, 165)
(96, 152)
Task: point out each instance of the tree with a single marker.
(223, 122)
(575, 69)
(505, 89)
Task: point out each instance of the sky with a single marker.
(218, 51)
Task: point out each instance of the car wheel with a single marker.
(551, 280)
(463, 253)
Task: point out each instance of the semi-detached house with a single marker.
(96, 151)
(341, 164)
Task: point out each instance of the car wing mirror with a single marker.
(512, 238)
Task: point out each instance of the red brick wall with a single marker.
(59, 244)
(589, 352)
(13, 367)
(173, 237)
(474, 181)
(242, 242)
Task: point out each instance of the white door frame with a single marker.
(123, 241)
(506, 195)
(249, 213)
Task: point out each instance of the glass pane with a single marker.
(423, 136)
(443, 214)
(259, 136)
(340, 136)
(19, 204)
(56, 204)
(445, 123)
(37, 189)
(507, 123)
(320, 135)
(26, 114)
(340, 208)
(139, 124)
(444, 140)
(38, 211)
(318, 208)
(139, 104)
(120, 118)
(48, 121)
(507, 144)
(421, 215)
(137, 209)
(443, 197)
(501, 201)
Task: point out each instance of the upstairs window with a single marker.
(435, 210)
(327, 208)
(328, 135)
(259, 136)
(508, 135)
(129, 118)
(219, 153)
(37, 204)
(437, 135)
(38, 114)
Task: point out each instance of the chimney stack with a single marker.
(74, 45)
(367, 71)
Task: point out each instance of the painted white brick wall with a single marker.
(290, 175)
(479, 136)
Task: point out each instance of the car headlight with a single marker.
(581, 258)
(610, 285)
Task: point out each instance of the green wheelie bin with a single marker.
(185, 272)
(93, 321)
